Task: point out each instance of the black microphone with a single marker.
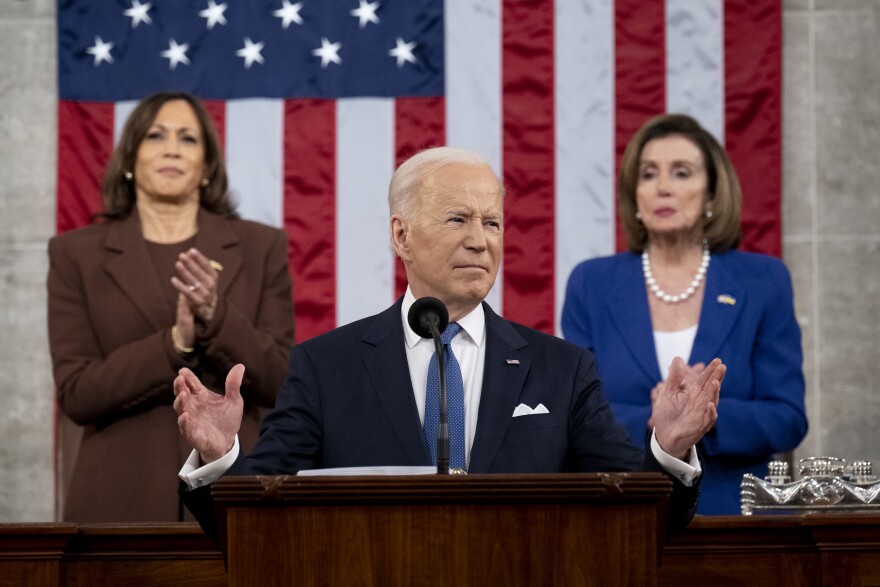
(428, 318)
(426, 312)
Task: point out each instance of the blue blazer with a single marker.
(348, 401)
(747, 319)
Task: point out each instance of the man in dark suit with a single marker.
(356, 396)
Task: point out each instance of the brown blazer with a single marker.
(114, 363)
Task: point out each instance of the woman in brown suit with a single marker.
(170, 278)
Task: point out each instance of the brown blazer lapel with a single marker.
(132, 270)
(217, 241)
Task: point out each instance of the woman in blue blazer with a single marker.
(683, 290)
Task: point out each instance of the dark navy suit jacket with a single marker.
(747, 319)
(348, 401)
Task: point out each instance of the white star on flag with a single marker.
(366, 12)
(176, 54)
(403, 52)
(250, 52)
(214, 14)
(328, 52)
(289, 13)
(138, 13)
(101, 51)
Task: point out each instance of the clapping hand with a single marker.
(196, 280)
(685, 408)
(655, 392)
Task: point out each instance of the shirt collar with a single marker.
(473, 325)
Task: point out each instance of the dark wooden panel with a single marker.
(147, 554)
(815, 549)
(92, 556)
(31, 554)
(476, 530)
(452, 545)
(331, 538)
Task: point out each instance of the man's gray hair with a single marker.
(409, 176)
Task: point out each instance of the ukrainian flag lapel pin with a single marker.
(727, 299)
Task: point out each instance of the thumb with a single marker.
(183, 311)
(676, 374)
(233, 382)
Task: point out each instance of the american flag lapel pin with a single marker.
(512, 361)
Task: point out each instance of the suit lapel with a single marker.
(217, 241)
(131, 267)
(722, 305)
(132, 270)
(627, 304)
(502, 385)
(386, 364)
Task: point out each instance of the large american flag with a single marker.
(317, 101)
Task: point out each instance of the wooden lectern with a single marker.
(481, 530)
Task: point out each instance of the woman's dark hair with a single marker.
(722, 230)
(118, 192)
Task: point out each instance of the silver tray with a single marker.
(828, 484)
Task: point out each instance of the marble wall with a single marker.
(831, 232)
(27, 218)
(831, 228)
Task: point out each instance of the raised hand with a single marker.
(196, 281)
(685, 408)
(697, 368)
(209, 421)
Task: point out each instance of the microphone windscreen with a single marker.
(425, 311)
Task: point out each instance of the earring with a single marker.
(128, 175)
(708, 213)
(638, 215)
(205, 182)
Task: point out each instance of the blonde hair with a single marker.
(722, 231)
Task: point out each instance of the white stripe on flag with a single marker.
(255, 158)
(121, 112)
(364, 164)
(473, 87)
(584, 119)
(473, 77)
(695, 61)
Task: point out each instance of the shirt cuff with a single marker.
(686, 472)
(195, 476)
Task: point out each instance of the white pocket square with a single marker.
(524, 410)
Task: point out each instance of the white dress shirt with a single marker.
(469, 348)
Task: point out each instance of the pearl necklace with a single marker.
(692, 288)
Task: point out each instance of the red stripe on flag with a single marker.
(753, 116)
(310, 211)
(640, 73)
(529, 162)
(419, 123)
(85, 141)
(217, 111)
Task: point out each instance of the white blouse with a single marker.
(673, 344)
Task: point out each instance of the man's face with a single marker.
(452, 245)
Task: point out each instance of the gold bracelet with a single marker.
(178, 345)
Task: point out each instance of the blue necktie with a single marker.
(454, 402)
